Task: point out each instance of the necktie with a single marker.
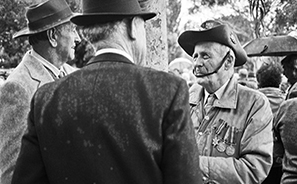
(61, 74)
(209, 102)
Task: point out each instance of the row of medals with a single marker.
(224, 143)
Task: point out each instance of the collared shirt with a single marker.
(116, 51)
(49, 66)
(218, 93)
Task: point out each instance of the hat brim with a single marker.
(189, 39)
(101, 18)
(27, 32)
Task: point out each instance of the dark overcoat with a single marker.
(111, 122)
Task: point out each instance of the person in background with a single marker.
(242, 76)
(252, 80)
(286, 128)
(269, 77)
(114, 121)
(52, 37)
(233, 123)
(289, 64)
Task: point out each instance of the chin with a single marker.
(202, 81)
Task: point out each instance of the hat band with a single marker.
(50, 20)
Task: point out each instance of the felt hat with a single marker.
(103, 11)
(220, 34)
(44, 16)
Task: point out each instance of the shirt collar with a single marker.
(218, 93)
(52, 68)
(116, 51)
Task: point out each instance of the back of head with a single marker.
(287, 61)
(111, 23)
(269, 74)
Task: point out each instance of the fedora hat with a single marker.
(103, 11)
(46, 15)
(220, 34)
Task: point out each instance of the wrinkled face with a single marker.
(207, 58)
(66, 41)
(290, 71)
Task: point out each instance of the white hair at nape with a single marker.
(99, 32)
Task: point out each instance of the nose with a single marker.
(197, 62)
(76, 37)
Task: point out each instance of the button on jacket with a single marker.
(235, 138)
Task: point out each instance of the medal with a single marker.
(230, 150)
(216, 139)
(221, 147)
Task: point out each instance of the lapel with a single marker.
(196, 94)
(36, 70)
(229, 97)
(109, 57)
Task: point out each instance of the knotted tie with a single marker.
(61, 74)
(209, 102)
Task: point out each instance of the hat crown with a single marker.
(222, 34)
(103, 11)
(46, 15)
(111, 6)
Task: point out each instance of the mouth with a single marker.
(196, 71)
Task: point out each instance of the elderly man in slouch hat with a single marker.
(233, 123)
(114, 121)
(52, 38)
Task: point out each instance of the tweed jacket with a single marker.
(286, 126)
(235, 138)
(111, 122)
(15, 97)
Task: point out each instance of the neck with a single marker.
(214, 85)
(50, 54)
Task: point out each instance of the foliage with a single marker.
(11, 20)
(197, 4)
(286, 17)
(259, 9)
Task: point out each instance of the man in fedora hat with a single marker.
(233, 123)
(52, 37)
(114, 121)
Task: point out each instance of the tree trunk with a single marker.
(156, 33)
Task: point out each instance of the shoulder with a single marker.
(252, 93)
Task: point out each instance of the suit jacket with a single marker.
(15, 97)
(111, 122)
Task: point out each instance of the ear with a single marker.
(52, 37)
(133, 27)
(229, 62)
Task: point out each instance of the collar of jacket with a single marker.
(109, 57)
(36, 69)
(228, 99)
